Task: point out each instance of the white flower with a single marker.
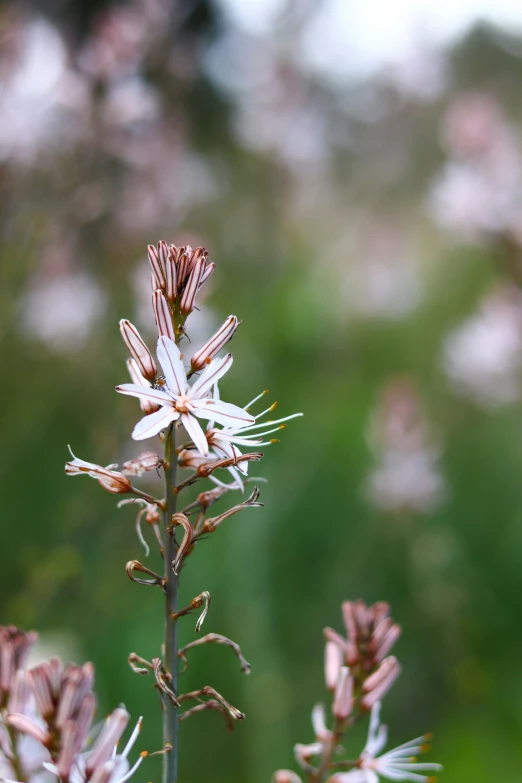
(178, 400)
(396, 764)
(225, 441)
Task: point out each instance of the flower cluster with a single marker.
(46, 721)
(358, 673)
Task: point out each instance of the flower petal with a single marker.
(223, 412)
(154, 395)
(195, 432)
(169, 357)
(153, 423)
(210, 375)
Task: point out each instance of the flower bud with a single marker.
(213, 346)
(109, 736)
(145, 461)
(343, 696)
(380, 682)
(188, 300)
(333, 660)
(138, 349)
(162, 315)
(158, 272)
(286, 776)
(146, 405)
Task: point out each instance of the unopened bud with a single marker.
(188, 300)
(333, 660)
(145, 461)
(213, 346)
(380, 682)
(146, 405)
(286, 776)
(162, 315)
(158, 271)
(209, 270)
(172, 279)
(343, 697)
(138, 349)
(109, 736)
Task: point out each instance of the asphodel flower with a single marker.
(397, 764)
(178, 400)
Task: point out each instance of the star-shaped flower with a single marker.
(396, 764)
(178, 400)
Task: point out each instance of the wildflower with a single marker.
(109, 479)
(178, 400)
(396, 764)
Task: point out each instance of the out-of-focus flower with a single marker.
(109, 479)
(397, 764)
(483, 357)
(286, 776)
(406, 476)
(178, 400)
(141, 464)
(62, 312)
(479, 192)
(370, 635)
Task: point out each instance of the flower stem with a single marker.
(170, 712)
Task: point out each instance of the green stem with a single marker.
(170, 657)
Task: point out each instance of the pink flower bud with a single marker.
(138, 349)
(380, 682)
(188, 300)
(110, 735)
(286, 776)
(146, 405)
(158, 272)
(162, 315)
(213, 346)
(343, 696)
(333, 660)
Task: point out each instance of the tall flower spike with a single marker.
(178, 400)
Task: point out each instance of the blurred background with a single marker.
(355, 169)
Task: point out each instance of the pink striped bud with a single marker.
(162, 315)
(213, 346)
(146, 405)
(110, 735)
(158, 271)
(207, 274)
(333, 660)
(172, 280)
(138, 350)
(387, 642)
(188, 300)
(380, 682)
(343, 696)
